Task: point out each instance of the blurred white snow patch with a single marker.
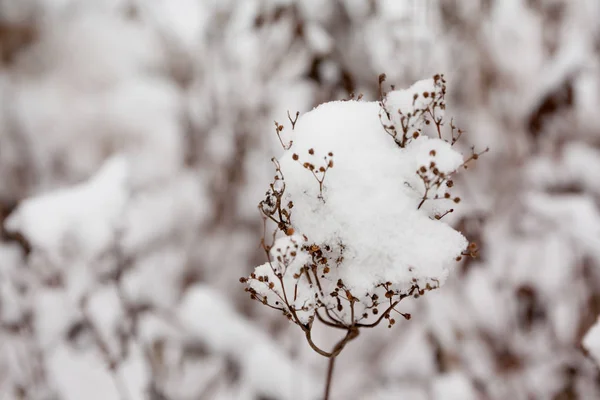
(566, 322)
(14, 302)
(357, 9)
(139, 116)
(370, 197)
(591, 342)
(581, 162)
(84, 375)
(177, 207)
(83, 217)
(55, 313)
(453, 386)
(81, 375)
(75, 50)
(411, 358)
(441, 319)
(398, 9)
(578, 165)
(318, 39)
(122, 102)
(513, 28)
(156, 328)
(400, 391)
(575, 216)
(56, 8)
(479, 291)
(143, 116)
(156, 277)
(209, 317)
(317, 10)
(183, 21)
(106, 313)
(587, 87)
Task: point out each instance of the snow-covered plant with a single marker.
(357, 199)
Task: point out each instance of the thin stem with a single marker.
(329, 377)
(351, 334)
(394, 304)
(316, 348)
(329, 323)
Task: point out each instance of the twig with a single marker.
(329, 377)
(293, 121)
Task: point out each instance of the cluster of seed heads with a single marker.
(318, 172)
(334, 303)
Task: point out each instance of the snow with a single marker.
(87, 371)
(157, 277)
(183, 21)
(106, 315)
(384, 246)
(453, 386)
(411, 358)
(355, 191)
(186, 91)
(401, 103)
(117, 102)
(575, 217)
(576, 165)
(318, 39)
(591, 342)
(83, 375)
(176, 205)
(288, 259)
(13, 303)
(208, 316)
(84, 216)
(55, 314)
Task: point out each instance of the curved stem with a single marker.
(352, 333)
(329, 323)
(315, 347)
(381, 317)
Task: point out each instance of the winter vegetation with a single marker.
(137, 139)
(365, 240)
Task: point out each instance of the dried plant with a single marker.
(307, 279)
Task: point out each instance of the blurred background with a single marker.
(135, 144)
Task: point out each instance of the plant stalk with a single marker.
(329, 377)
